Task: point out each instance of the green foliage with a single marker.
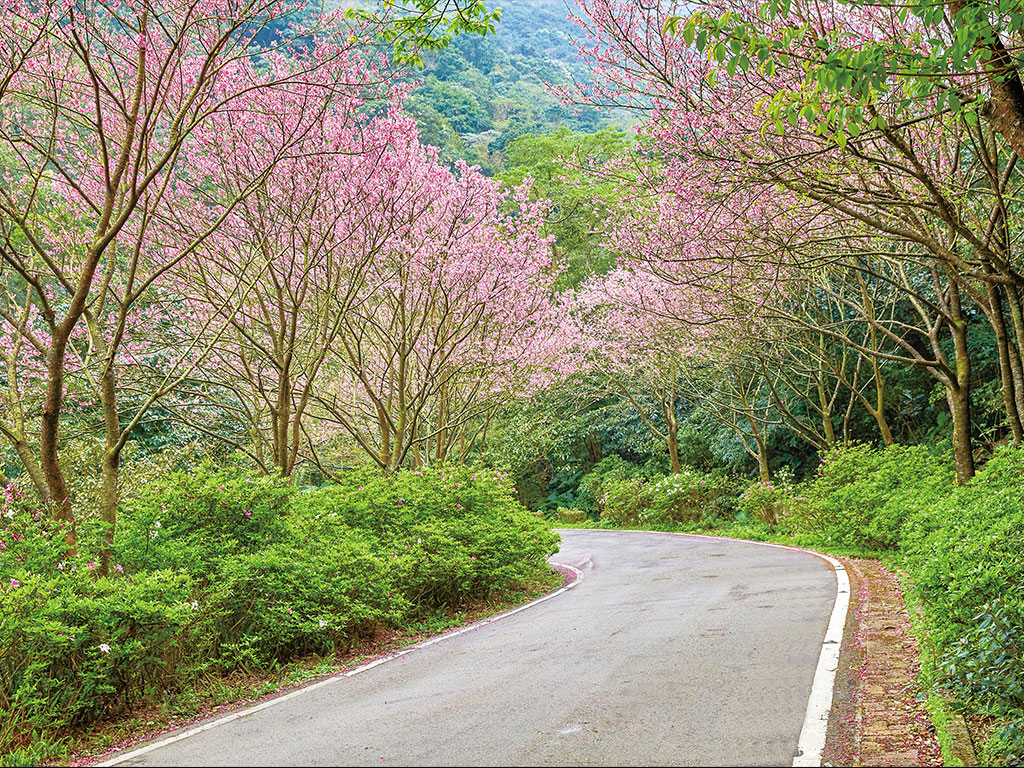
(567, 169)
(850, 74)
(863, 496)
(411, 27)
(190, 519)
(493, 87)
(458, 104)
(297, 597)
(987, 664)
(1005, 746)
(74, 649)
(630, 494)
(688, 496)
(216, 570)
(964, 550)
(768, 501)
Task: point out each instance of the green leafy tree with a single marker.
(960, 56)
(580, 174)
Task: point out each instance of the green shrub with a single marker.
(571, 516)
(192, 520)
(1006, 744)
(768, 501)
(74, 649)
(686, 496)
(609, 471)
(965, 552)
(217, 570)
(291, 599)
(625, 501)
(458, 533)
(863, 496)
(987, 664)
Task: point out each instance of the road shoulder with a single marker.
(878, 712)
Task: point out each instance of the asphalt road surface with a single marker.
(672, 650)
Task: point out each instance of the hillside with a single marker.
(482, 92)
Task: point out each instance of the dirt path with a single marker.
(878, 716)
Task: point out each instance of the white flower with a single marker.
(104, 647)
(322, 623)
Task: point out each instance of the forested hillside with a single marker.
(480, 93)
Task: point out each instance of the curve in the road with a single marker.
(674, 650)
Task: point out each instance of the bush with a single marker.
(571, 516)
(964, 551)
(74, 649)
(606, 473)
(1006, 744)
(765, 501)
(292, 599)
(687, 496)
(987, 664)
(863, 496)
(458, 533)
(625, 501)
(218, 570)
(192, 520)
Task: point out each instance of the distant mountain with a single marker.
(482, 92)
(479, 94)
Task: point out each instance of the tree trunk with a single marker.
(762, 449)
(673, 451)
(32, 468)
(49, 461)
(995, 316)
(109, 496)
(963, 453)
(1017, 348)
(959, 394)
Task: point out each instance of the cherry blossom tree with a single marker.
(101, 104)
(913, 187)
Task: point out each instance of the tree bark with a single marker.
(995, 316)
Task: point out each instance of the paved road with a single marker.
(672, 651)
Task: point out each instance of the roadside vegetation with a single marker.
(221, 573)
(312, 321)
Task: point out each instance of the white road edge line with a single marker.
(118, 759)
(811, 744)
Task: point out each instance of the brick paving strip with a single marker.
(878, 715)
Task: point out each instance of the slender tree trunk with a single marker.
(32, 468)
(1017, 348)
(49, 461)
(442, 430)
(959, 395)
(995, 316)
(826, 413)
(673, 450)
(111, 468)
(672, 431)
(385, 438)
(762, 448)
(963, 454)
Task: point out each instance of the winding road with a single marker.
(671, 650)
